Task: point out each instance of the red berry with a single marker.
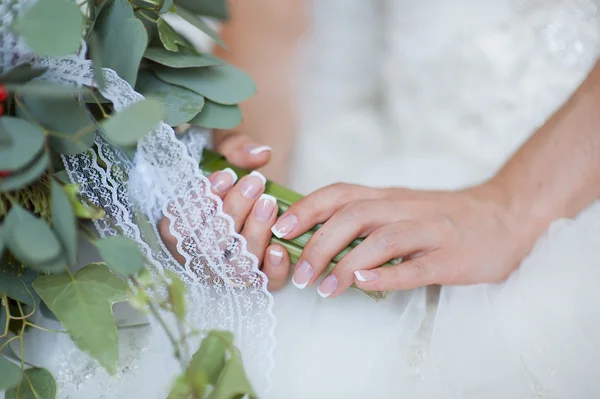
(3, 92)
(4, 173)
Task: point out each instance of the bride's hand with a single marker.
(461, 237)
(253, 212)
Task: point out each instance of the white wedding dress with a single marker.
(438, 94)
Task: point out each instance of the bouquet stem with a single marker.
(212, 162)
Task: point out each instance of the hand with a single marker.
(462, 237)
(253, 212)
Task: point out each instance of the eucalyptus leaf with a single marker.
(123, 39)
(170, 39)
(44, 89)
(33, 230)
(166, 6)
(181, 104)
(128, 126)
(26, 142)
(223, 84)
(96, 55)
(121, 254)
(10, 373)
(233, 382)
(18, 287)
(52, 28)
(63, 221)
(21, 73)
(181, 59)
(209, 8)
(218, 116)
(24, 177)
(83, 304)
(177, 295)
(72, 123)
(210, 358)
(5, 139)
(81, 210)
(199, 23)
(37, 383)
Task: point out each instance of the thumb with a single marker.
(241, 150)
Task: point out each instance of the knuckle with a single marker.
(165, 231)
(352, 214)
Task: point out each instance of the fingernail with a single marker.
(327, 286)
(223, 180)
(265, 206)
(252, 185)
(256, 149)
(285, 225)
(366, 275)
(302, 275)
(275, 257)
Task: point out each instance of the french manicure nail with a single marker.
(275, 257)
(285, 225)
(265, 206)
(302, 275)
(327, 286)
(256, 149)
(223, 180)
(365, 276)
(252, 185)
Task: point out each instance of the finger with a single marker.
(418, 272)
(395, 240)
(240, 199)
(319, 206)
(222, 181)
(351, 221)
(257, 227)
(276, 266)
(169, 239)
(241, 150)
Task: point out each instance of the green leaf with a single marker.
(26, 176)
(181, 59)
(177, 295)
(209, 8)
(10, 373)
(181, 104)
(21, 73)
(67, 117)
(223, 84)
(52, 27)
(96, 55)
(181, 388)
(31, 229)
(121, 254)
(26, 142)
(36, 384)
(166, 6)
(210, 358)
(63, 221)
(123, 40)
(128, 126)
(87, 211)
(218, 116)
(40, 88)
(199, 23)
(18, 287)
(170, 39)
(84, 307)
(233, 382)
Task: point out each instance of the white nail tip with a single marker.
(270, 198)
(299, 286)
(258, 150)
(322, 294)
(259, 175)
(359, 277)
(231, 173)
(273, 252)
(277, 233)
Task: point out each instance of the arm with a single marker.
(262, 36)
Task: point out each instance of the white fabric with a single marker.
(438, 94)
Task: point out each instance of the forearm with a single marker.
(557, 172)
(262, 37)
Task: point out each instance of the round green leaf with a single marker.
(181, 59)
(181, 104)
(25, 176)
(52, 27)
(170, 39)
(36, 384)
(233, 382)
(212, 354)
(26, 142)
(209, 8)
(122, 255)
(218, 116)
(40, 88)
(21, 73)
(63, 221)
(10, 373)
(222, 84)
(33, 242)
(128, 126)
(177, 295)
(18, 287)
